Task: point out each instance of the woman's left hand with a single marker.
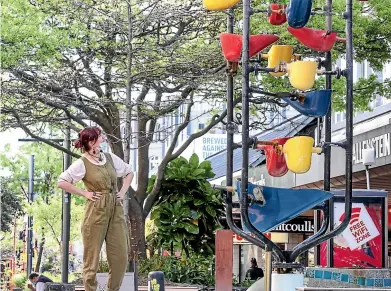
(120, 196)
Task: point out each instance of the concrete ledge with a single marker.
(170, 288)
(59, 287)
(338, 289)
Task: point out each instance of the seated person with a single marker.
(39, 281)
(254, 273)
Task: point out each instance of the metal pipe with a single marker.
(322, 230)
(66, 211)
(244, 201)
(368, 178)
(268, 269)
(349, 136)
(29, 266)
(327, 138)
(230, 147)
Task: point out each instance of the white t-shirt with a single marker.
(77, 170)
(40, 286)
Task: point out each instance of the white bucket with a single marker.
(280, 282)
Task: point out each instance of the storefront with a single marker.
(285, 236)
(379, 175)
(370, 133)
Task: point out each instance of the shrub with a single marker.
(196, 269)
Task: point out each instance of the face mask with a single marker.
(104, 146)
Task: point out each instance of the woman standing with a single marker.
(103, 218)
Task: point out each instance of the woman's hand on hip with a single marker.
(93, 196)
(120, 196)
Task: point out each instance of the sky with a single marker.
(10, 137)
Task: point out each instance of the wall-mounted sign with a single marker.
(380, 143)
(300, 225)
(238, 240)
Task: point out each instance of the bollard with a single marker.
(156, 281)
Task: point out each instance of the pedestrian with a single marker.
(103, 217)
(254, 273)
(38, 281)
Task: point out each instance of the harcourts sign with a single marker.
(380, 143)
(296, 225)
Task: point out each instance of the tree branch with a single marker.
(44, 140)
(151, 198)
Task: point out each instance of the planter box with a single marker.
(127, 283)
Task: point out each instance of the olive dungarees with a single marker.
(103, 221)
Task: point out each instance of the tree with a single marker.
(11, 205)
(47, 167)
(371, 42)
(188, 210)
(115, 62)
(48, 220)
(73, 61)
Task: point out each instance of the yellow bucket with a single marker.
(298, 153)
(219, 4)
(278, 54)
(302, 74)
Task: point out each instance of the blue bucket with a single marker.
(316, 103)
(299, 12)
(281, 205)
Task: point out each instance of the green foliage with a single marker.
(196, 269)
(48, 222)
(47, 167)
(187, 211)
(20, 280)
(11, 204)
(47, 207)
(371, 40)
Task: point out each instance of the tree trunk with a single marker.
(39, 259)
(136, 231)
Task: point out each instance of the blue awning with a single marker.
(288, 128)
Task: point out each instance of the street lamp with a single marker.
(369, 159)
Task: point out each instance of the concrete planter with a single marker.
(127, 283)
(59, 287)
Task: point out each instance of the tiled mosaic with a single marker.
(333, 277)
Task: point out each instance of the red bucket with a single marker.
(231, 44)
(277, 15)
(275, 160)
(315, 39)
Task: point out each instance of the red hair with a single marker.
(85, 136)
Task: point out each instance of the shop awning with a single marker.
(288, 128)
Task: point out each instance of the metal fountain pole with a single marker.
(30, 249)
(349, 139)
(66, 212)
(327, 150)
(230, 141)
(245, 141)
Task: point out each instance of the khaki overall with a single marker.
(103, 220)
